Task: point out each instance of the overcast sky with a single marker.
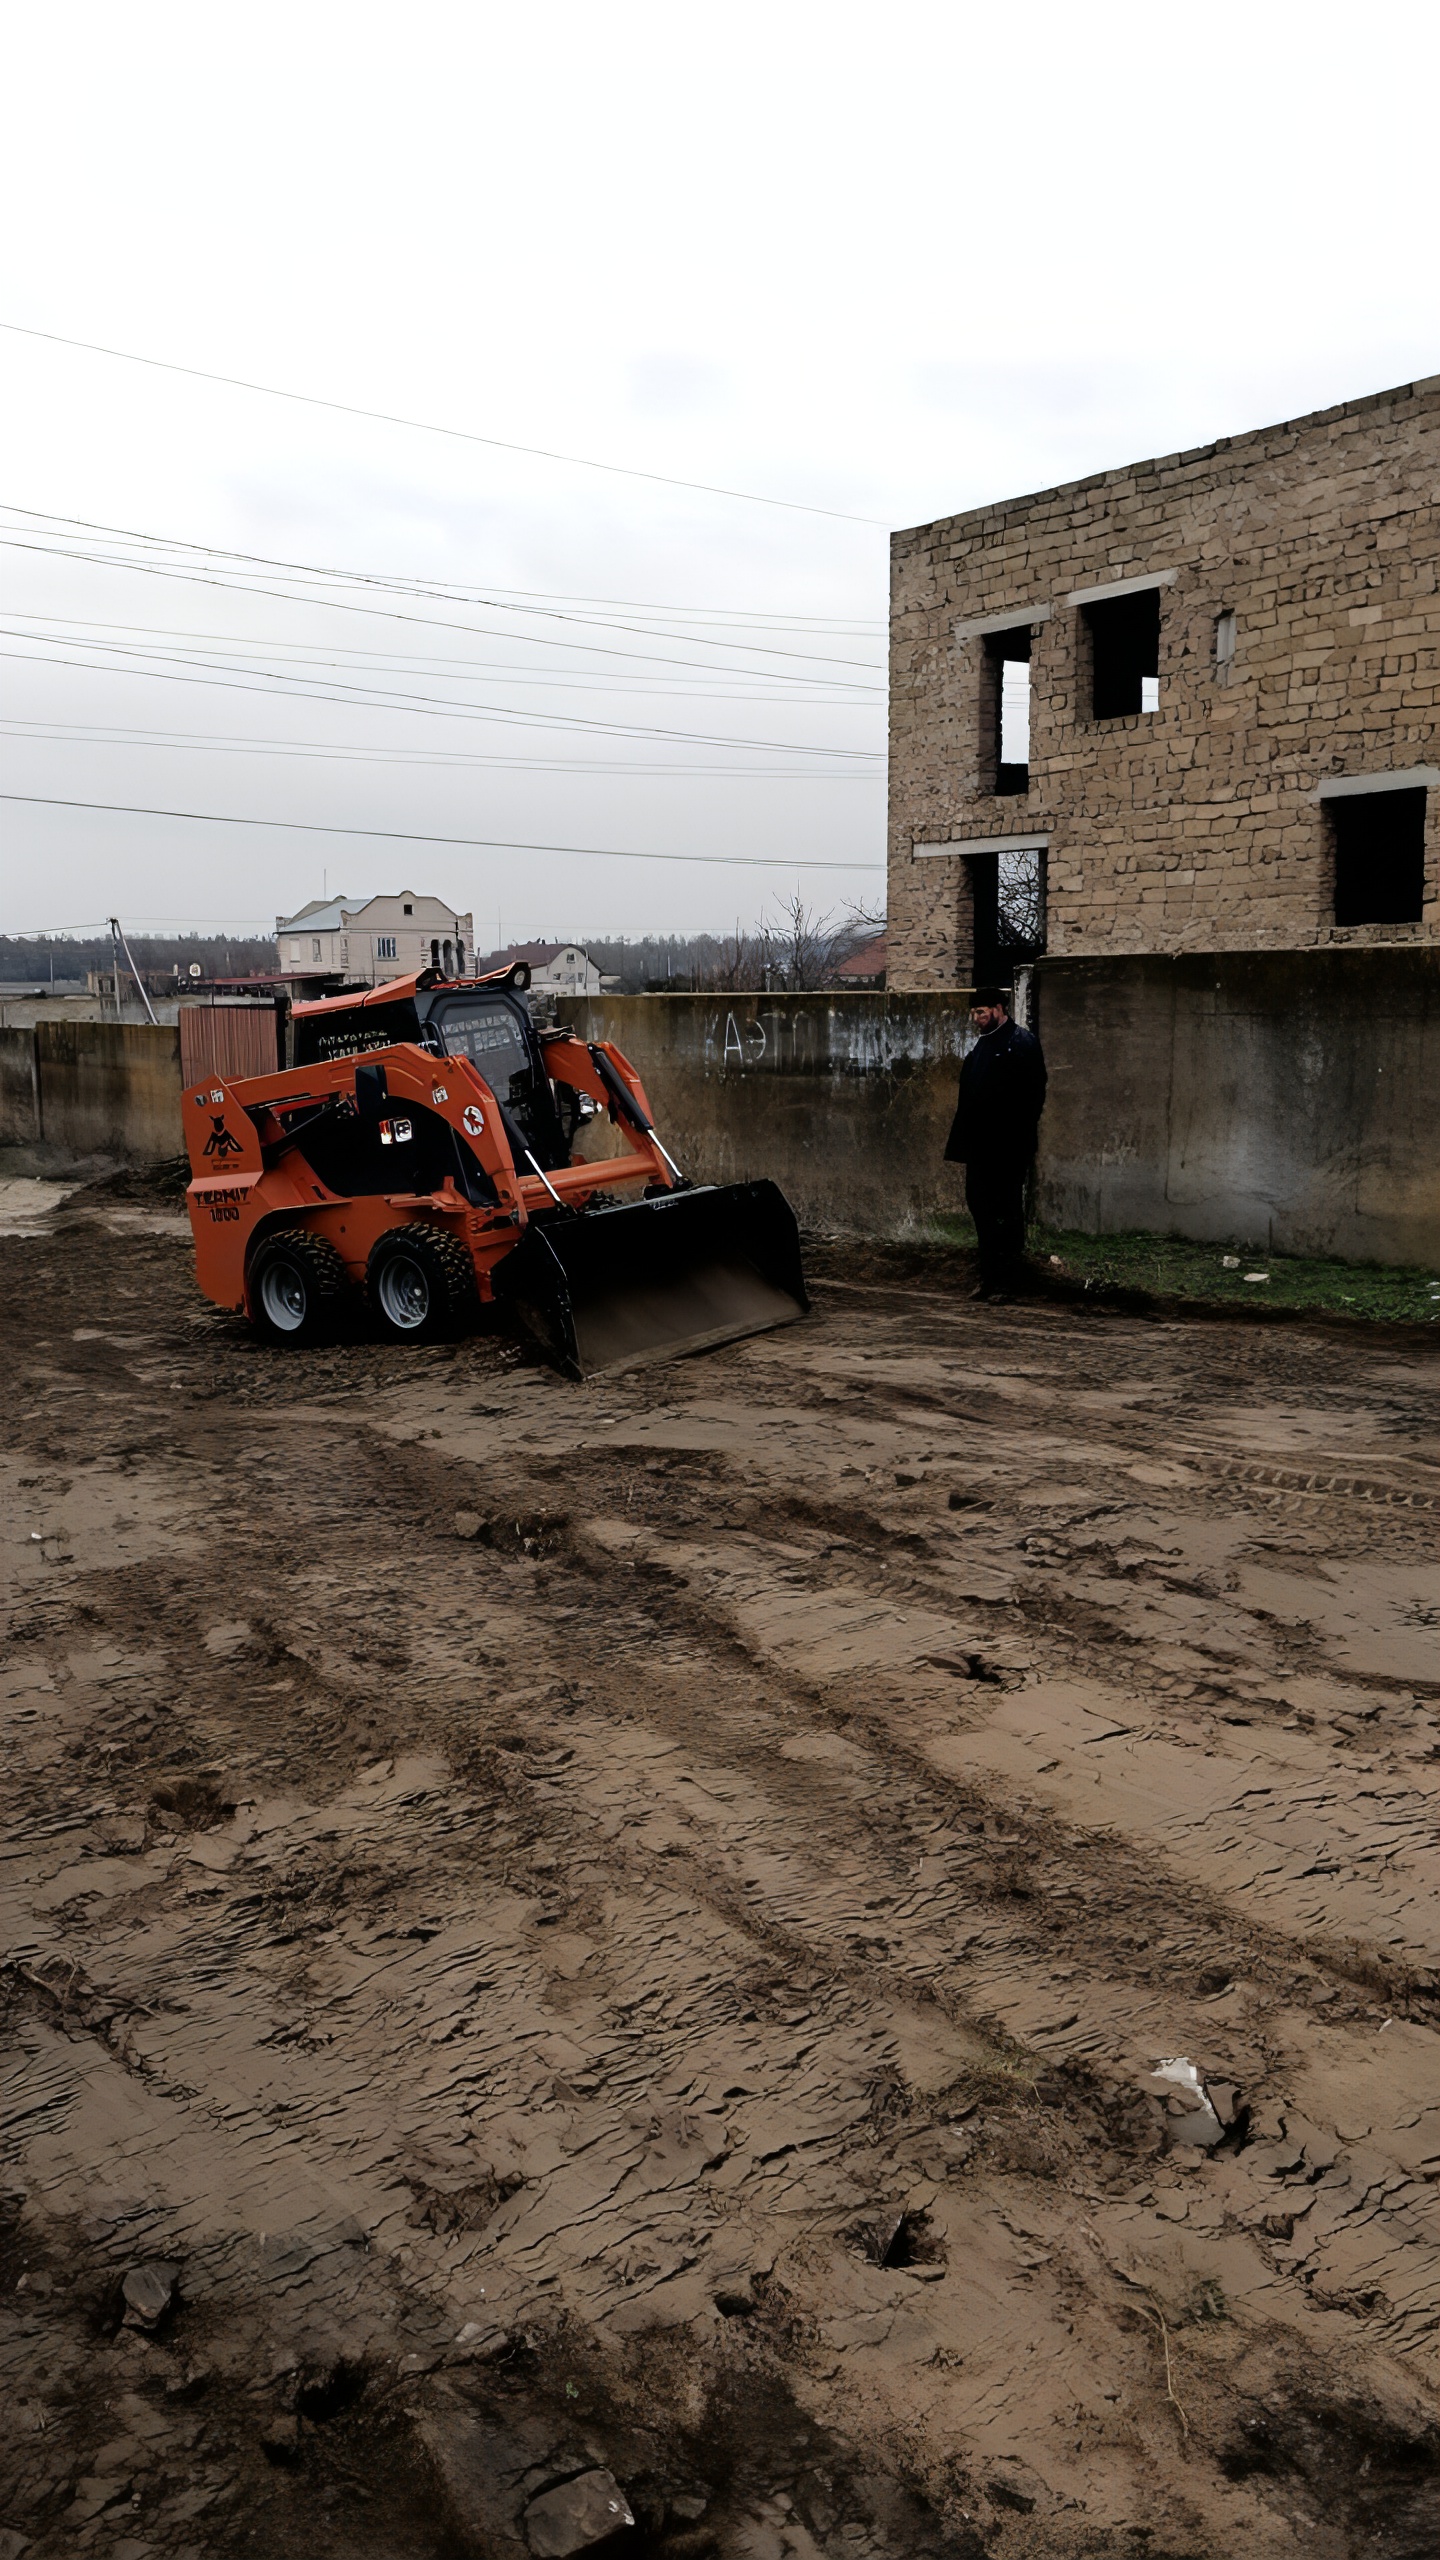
(887, 261)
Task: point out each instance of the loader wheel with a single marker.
(421, 1283)
(296, 1287)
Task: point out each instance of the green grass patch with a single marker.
(1215, 1274)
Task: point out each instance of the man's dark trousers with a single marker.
(995, 1198)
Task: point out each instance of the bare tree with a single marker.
(738, 964)
(1020, 903)
(794, 950)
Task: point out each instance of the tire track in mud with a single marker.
(711, 1945)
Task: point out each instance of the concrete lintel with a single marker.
(1017, 618)
(1349, 786)
(960, 845)
(1114, 587)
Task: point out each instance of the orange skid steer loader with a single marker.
(421, 1151)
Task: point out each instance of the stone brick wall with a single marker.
(1197, 826)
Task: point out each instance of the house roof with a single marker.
(323, 915)
(867, 962)
(331, 915)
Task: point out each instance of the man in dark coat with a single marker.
(997, 1119)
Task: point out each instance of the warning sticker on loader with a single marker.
(472, 1119)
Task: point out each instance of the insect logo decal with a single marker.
(222, 1142)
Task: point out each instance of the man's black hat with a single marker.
(991, 995)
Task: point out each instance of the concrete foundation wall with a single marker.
(19, 1089)
(92, 1088)
(1291, 1102)
(1288, 1101)
(844, 1100)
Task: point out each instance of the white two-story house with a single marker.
(372, 939)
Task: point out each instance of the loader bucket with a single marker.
(609, 1288)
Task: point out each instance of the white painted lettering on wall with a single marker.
(752, 1045)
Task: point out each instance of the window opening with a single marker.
(314, 950)
(1224, 640)
(409, 911)
(494, 1033)
(1008, 895)
(1379, 846)
(1008, 690)
(435, 955)
(384, 946)
(1124, 654)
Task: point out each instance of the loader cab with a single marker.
(484, 1020)
(494, 1031)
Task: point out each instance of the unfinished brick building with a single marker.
(1185, 707)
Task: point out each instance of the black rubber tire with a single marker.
(421, 1284)
(295, 1288)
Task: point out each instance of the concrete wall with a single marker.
(1197, 826)
(844, 1100)
(19, 1089)
(92, 1088)
(1289, 1102)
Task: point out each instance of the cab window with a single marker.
(495, 1035)
(491, 1036)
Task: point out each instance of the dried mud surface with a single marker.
(626, 1927)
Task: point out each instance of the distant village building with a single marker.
(556, 968)
(374, 939)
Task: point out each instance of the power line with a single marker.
(455, 590)
(421, 706)
(826, 692)
(432, 622)
(424, 426)
(155, 924)
(89, 733)
(409, 835)
(414, 588)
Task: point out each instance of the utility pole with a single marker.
(120, 944)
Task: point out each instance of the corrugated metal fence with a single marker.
(228, 1040)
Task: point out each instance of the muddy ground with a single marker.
(624, 1928)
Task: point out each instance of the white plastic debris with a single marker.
(1229, 1261)
(1192, 2117)
(1257, 1275)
